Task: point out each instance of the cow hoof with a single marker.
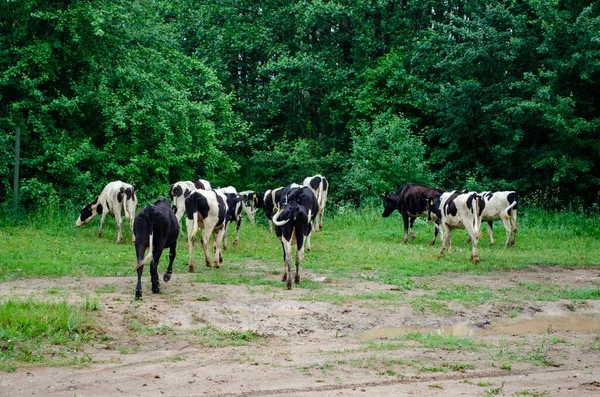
(289, 286)
(432, 243)
(191, 269)
(138, 294)
(216, 265)
(208, 264)
(166, 277)
(297, 279)
(475, 260)
(235, 242)
(155, 290)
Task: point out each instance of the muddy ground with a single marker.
(306, 347)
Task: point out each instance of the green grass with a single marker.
(356, 244)
(43, 332)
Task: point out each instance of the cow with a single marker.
(234, 213)
(155, 230)
(269, 202)
(501, 206)
(459, 210)
(412, 202)
(206, 209)
(249, 204)
(117, 198)
(320, 187)
(298, 208)
(179, 191)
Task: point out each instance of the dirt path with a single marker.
(182, 342)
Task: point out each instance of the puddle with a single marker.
(239, 310)
(538, 325)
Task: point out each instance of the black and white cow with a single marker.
(206, 210)
(298, 208)
(269, 201)
(459, 210)
(320, 187)
(179, 191)
(249, 204)
(117, 199)
(234, 213)
(412, 202)
(501, 206)
(155, 230)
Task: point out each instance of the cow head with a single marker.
(290, 212)
(433, 208)
(390, 203)
(89, 212)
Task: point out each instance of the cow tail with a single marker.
(195, 226)
(148, 256)
(510, 207)
(123, 198)
(476, 215)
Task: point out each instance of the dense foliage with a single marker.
(494, 94)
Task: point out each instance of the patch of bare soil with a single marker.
(312, 348)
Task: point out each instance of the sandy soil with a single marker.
(310, 348)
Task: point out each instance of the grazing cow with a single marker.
(320, 187)
(179, 191)
(298, 209)
(155, 230)
(206, 209)
(501, 206)
(234, 213)
(412, 201)
(117, 198)
(459, 210)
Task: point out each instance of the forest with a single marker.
(479, 94)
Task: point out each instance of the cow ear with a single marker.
(430, 201)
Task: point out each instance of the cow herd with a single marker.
(455, 210)
(293, 212)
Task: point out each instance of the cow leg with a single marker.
(218, 235)
(287, 257)
(436, 229)
(224, 237)
(270, 226)
(405, 220)
(205, 237)
(131, 219)
(237, 230)
(446, 239)
(104, 215)
(138, 287)
(299, 257)
(154, 268)
(515, 226)
(411, 222)
(172, 252)
(491, 233)
(140, 250)
(119, 221)
(189, 223)
(474, 240)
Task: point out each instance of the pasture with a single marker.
(371, 315)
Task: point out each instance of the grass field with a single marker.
(355, 243)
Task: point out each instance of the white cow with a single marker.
(459, 210)
(117, 199)
(179, 191)
(320, 187)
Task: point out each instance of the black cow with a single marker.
(155, 228)
(411, 201)
(298, 208)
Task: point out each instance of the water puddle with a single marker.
(539, 324)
